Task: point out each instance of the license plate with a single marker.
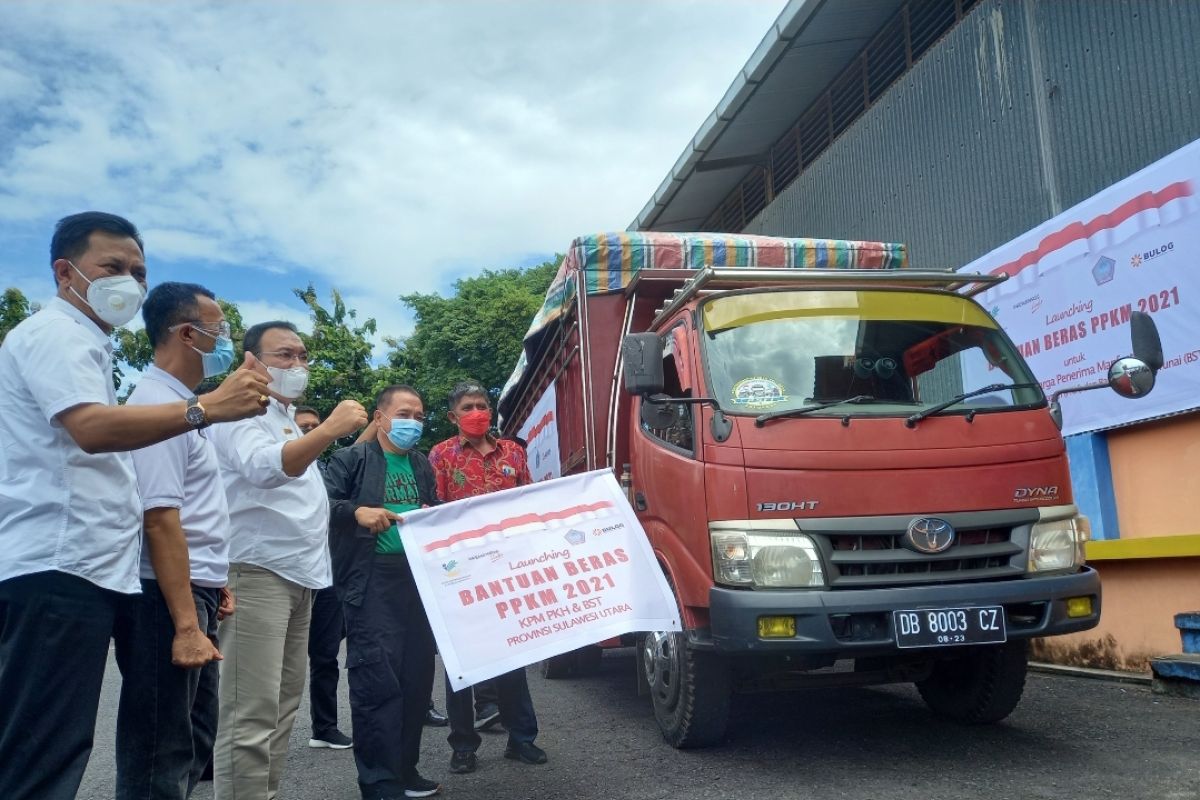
(945, 627)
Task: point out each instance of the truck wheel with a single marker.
(587, 659)
(558, 667)
(690, 691)
(982, 686)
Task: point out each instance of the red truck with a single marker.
(847, 471)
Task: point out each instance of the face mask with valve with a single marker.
(289, 383)
(115, 298)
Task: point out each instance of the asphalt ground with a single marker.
(1069, 738)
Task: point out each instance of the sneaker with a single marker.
(526, 752)
(462, 762)
(334, 740)
(488, 716)
(416, 786)
(435, 718)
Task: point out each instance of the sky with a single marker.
(376, 148)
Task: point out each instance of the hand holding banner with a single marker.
(514, 577)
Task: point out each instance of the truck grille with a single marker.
(860, 560)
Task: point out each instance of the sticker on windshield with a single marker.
(758, 393)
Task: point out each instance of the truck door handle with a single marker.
(639, 501)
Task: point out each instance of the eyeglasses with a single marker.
(220, 329)
(289, 356)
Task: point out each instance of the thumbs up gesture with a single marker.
(242, 394)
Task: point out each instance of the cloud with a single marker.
(386, 147)
(256, 311)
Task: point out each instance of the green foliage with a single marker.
(473, 335)
(14, 307)
(339, 351)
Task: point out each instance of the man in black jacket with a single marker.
(389, 646)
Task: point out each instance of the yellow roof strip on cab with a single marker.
(722, 313)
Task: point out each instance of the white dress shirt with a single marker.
(276, 521)
(182, 473)
(61, 508)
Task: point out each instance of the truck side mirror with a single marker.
(1131, 377)
(1147, 346)
(643, 355)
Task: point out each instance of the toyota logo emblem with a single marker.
(929, 535)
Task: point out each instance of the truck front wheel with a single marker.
(691, 691)
(983, 685)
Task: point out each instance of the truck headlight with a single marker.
(1058, 544)
(767, 560)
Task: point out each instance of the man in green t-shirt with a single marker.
(389, 646)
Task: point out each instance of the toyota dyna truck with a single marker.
(846, 470)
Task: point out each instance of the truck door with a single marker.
(668, 478)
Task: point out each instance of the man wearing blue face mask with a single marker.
(166, 636)
(389, 646)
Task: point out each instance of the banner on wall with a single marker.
(511, 578)
(1074, 280)
(540, 433)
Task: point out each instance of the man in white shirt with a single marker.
(70, 516)
(166, 646)
(279, 555)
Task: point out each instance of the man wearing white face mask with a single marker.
(166, 638)
(389, 646)
(279, 555)
(70, 514)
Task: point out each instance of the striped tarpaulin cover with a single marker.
(607, 262)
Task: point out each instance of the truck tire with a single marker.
(691, 691)
(558, 667)
(588, 659)
(982, 686)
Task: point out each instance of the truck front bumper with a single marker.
(858, 623)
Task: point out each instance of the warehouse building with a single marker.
(955, 126)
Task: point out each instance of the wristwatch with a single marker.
(194, 414)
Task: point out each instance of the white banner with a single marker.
(1074, 280)
(540, 433)
(514, 577)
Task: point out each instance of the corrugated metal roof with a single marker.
(809, 44)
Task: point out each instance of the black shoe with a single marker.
(462, 762)
(527, 752)
(416, 786)
(488, 716)
(334, 740)
(435, 718)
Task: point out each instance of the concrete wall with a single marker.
(1156, 478)
(1141, 598)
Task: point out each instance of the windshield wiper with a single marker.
(940, 407)
(762, 419)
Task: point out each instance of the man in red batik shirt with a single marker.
(467, 465)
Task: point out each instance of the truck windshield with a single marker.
(906, 350)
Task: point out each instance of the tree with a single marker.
(475, 334)
(339, 352)
(14, 308)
